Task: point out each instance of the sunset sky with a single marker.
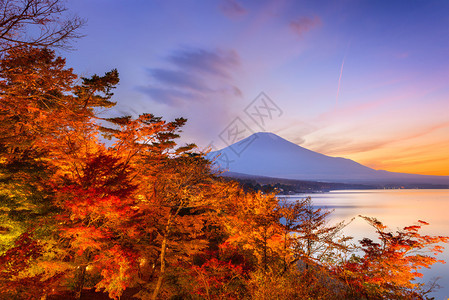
(365, 80)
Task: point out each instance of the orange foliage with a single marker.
(390, 267)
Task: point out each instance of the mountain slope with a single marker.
(266, 154)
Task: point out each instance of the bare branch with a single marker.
(39, 23)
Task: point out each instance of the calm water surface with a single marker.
(395, 209)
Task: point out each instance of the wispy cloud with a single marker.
(178, 79)
(347, 146)
(198, 84)
(304, 24)
(219, 62)
(232, 9)
(340, 146)
(194, 75)
(168, 96)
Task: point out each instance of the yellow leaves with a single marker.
(141, 197)
(11, 230)
(46, 268)
(255, 227)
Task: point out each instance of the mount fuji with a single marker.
(267, 154)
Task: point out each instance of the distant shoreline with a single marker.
(283, 186)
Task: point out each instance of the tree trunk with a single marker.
(162, 271)
(265, 262)
(82, 274)
(80, 283)
(163, 254)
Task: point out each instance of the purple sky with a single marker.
(366, 80)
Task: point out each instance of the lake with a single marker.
(395, 209)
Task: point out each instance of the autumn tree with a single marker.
(97, 206)
(41, 111)
(176, 193)
(29, 97)
(308, 235)
(389, 267)
(48, 132)
(252, 224)
(308, 246)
